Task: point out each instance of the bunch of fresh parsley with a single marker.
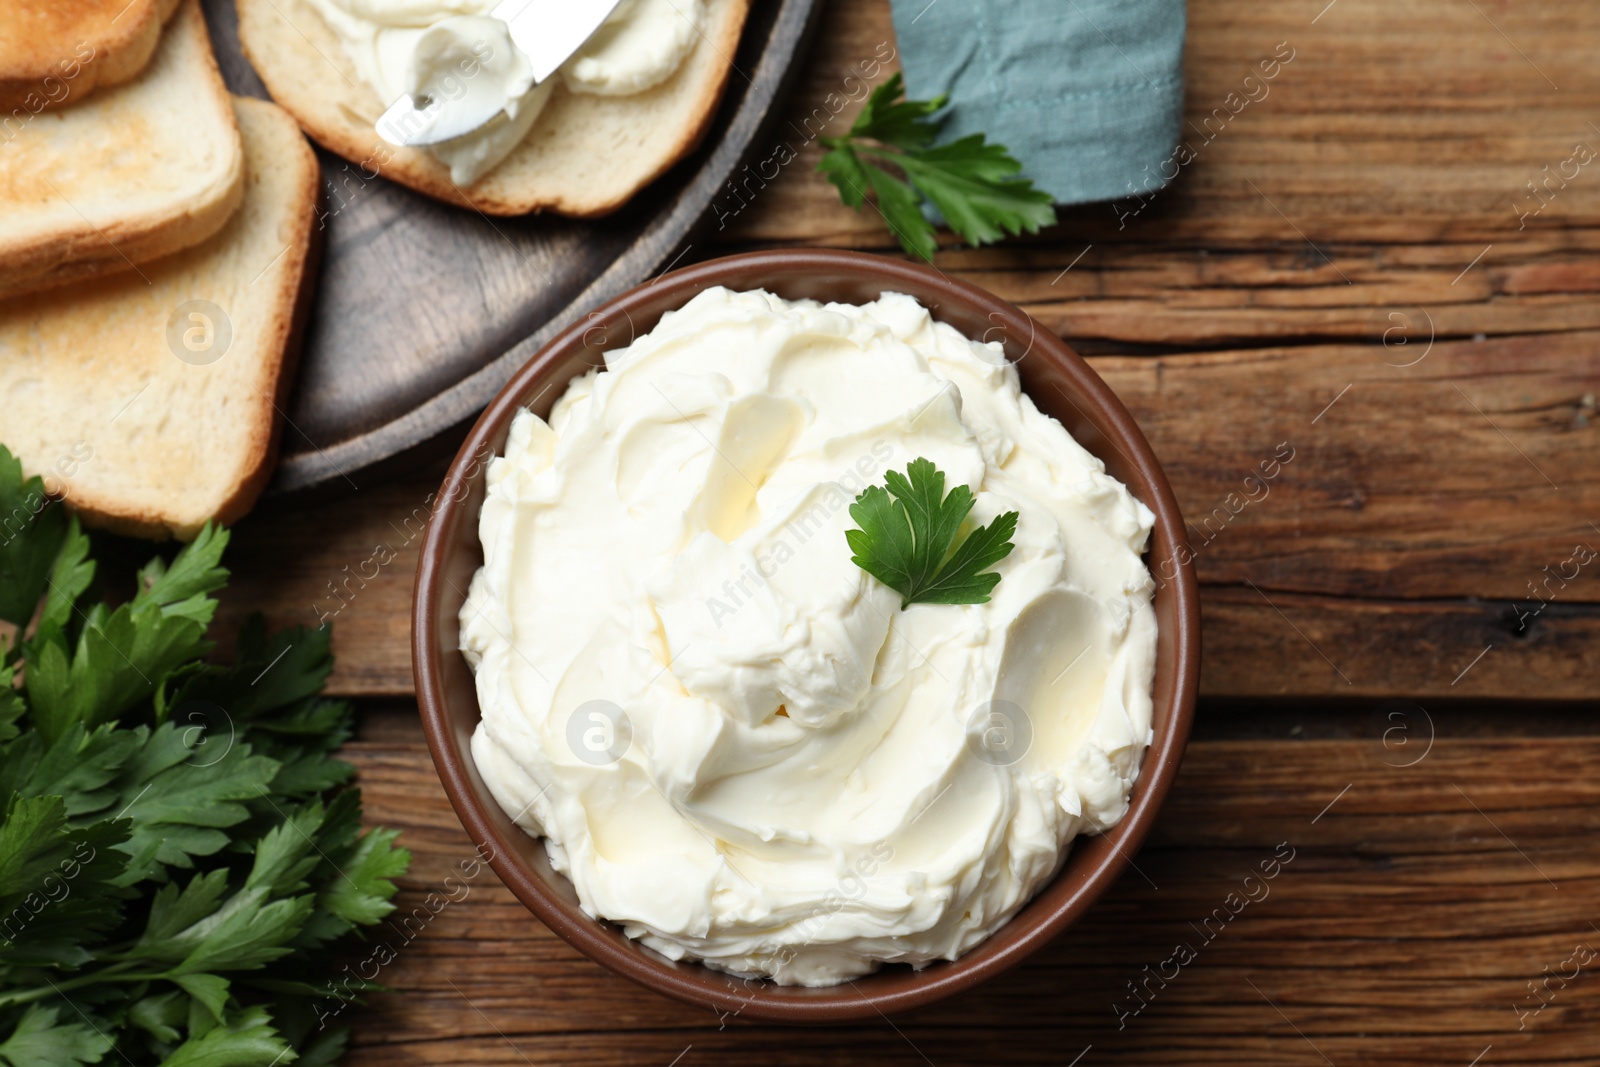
(972, 183)
(180, 861)
(908, 539)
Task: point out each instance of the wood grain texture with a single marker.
(1432, 480)
(1418, 904)
(1392, 123)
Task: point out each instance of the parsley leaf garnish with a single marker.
(182, 863)
(973, 183)
(908, 539)
(40, 1039)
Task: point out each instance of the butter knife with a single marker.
(548, 32)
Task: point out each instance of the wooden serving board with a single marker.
(423, 310)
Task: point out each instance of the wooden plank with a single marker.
(1418, 904)
(1464, 474)
(348, 562)
(1159, 298)
(1361, 136)
(1410, 529)
(1266, 643)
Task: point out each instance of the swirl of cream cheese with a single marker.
(737, 744)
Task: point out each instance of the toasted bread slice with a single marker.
(586, 155)
(159, 390)
(56, 51)
(128, 175)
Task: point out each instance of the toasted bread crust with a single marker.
(56, 53)
(305, 69)
(121, 246)
(83, 247)
(289, 323)
(267, 293)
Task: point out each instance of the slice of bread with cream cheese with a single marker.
(635, 99)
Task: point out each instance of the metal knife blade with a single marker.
(549, 31)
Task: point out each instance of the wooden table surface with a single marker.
(1388, 265)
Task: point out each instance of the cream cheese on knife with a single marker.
(737, 744)
(641, 44)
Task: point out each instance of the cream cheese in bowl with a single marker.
(738, 745)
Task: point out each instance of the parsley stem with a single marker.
(115, 973)
(879, 151)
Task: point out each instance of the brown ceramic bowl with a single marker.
(1059, 382)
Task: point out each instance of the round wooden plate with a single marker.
(423, 310)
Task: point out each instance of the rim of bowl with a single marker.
(514, 855)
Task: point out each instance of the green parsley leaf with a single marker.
(181, 799)
(197, 570)
(128, 759)
(908, 539)
(69, 579)
(160, 1015)
(362, 893)
(122, 655)
(78, 767)
(54, 877)
(39, 1041)
(964, 578)
(249, 931)
(174, 910)
(208, 990)
(271, 691)
(12, 706)
(32, 528)
(274, 671)
(246, 1040)
(325, 1049)
(972, 183)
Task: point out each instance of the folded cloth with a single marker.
(1088, 94)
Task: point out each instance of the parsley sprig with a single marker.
(908, 539)
(973, 183)
(181, 861)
